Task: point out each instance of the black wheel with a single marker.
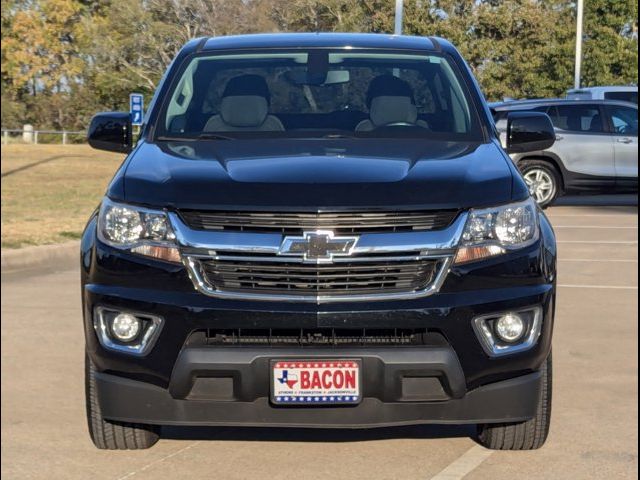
(109, 435)
(543, 180)
(528, 435)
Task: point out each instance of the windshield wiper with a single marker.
(167, 138)
(202, 136)
(213, 136)
(338, 135)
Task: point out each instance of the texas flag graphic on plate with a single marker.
(315, 382)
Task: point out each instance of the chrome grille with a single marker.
(358, 275)
(338, 222)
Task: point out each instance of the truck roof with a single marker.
(326, 40)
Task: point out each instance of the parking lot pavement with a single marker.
(594, 419)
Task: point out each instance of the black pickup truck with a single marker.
(318, 230)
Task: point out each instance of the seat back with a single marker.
(387, 109)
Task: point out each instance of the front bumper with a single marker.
(401, 386)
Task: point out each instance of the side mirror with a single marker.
(529, 132)
(111, 131)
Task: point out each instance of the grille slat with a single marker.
(367, 275)
(338, 222)
(325, 277)
(355, 263)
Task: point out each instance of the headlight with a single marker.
(494, 231)
(138, 230)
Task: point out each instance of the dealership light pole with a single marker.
(579, 15)
(398, 26)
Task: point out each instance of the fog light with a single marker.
(510, 327)
(128, 332)
(125, 327)
(509, 332)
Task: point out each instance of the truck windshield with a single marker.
(318, 93)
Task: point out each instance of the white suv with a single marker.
(622, 93)
(596, 148)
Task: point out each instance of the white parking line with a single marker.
(604, 242)
(591, 215)
(155, 462)
(601, 260)
(464, 464)
(599, 227)
(606, 287)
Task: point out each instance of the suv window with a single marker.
(623, 96)
(317, 92)
(577, 118)
(499, 116)
(624, 120)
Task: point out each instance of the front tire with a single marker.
(529, 435)
(543, 180)
(108, 435)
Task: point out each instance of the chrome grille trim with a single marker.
(200, 241)
(197, 246)
(291, 223)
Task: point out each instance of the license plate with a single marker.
(315, 382)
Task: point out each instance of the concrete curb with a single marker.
(61, 255)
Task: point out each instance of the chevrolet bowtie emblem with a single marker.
(318, 247)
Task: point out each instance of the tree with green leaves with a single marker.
(62, 60)
(611, 42)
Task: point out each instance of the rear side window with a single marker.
(623, 96)
(577, 118)
(624, 120)
(501, 116)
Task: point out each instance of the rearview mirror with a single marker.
(111, 131)
(529, 132)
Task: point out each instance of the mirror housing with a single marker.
(111, 131)
(529, 132)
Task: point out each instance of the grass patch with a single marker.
(49, 191)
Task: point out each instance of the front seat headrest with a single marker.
(390, 100)
(244, 110)
(244, 107)
(390, 109)
(388, 86)
(252, 85)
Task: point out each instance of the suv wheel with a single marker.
(113, 435)
(528, 435)
(543, 181)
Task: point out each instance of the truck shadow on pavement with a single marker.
(329, 435)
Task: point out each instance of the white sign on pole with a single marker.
(136, 108)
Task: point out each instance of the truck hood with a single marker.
(315, 174)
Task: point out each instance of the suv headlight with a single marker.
(136, 229)
(494, 231)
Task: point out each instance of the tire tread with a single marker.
(109, 435)
(529, 435)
